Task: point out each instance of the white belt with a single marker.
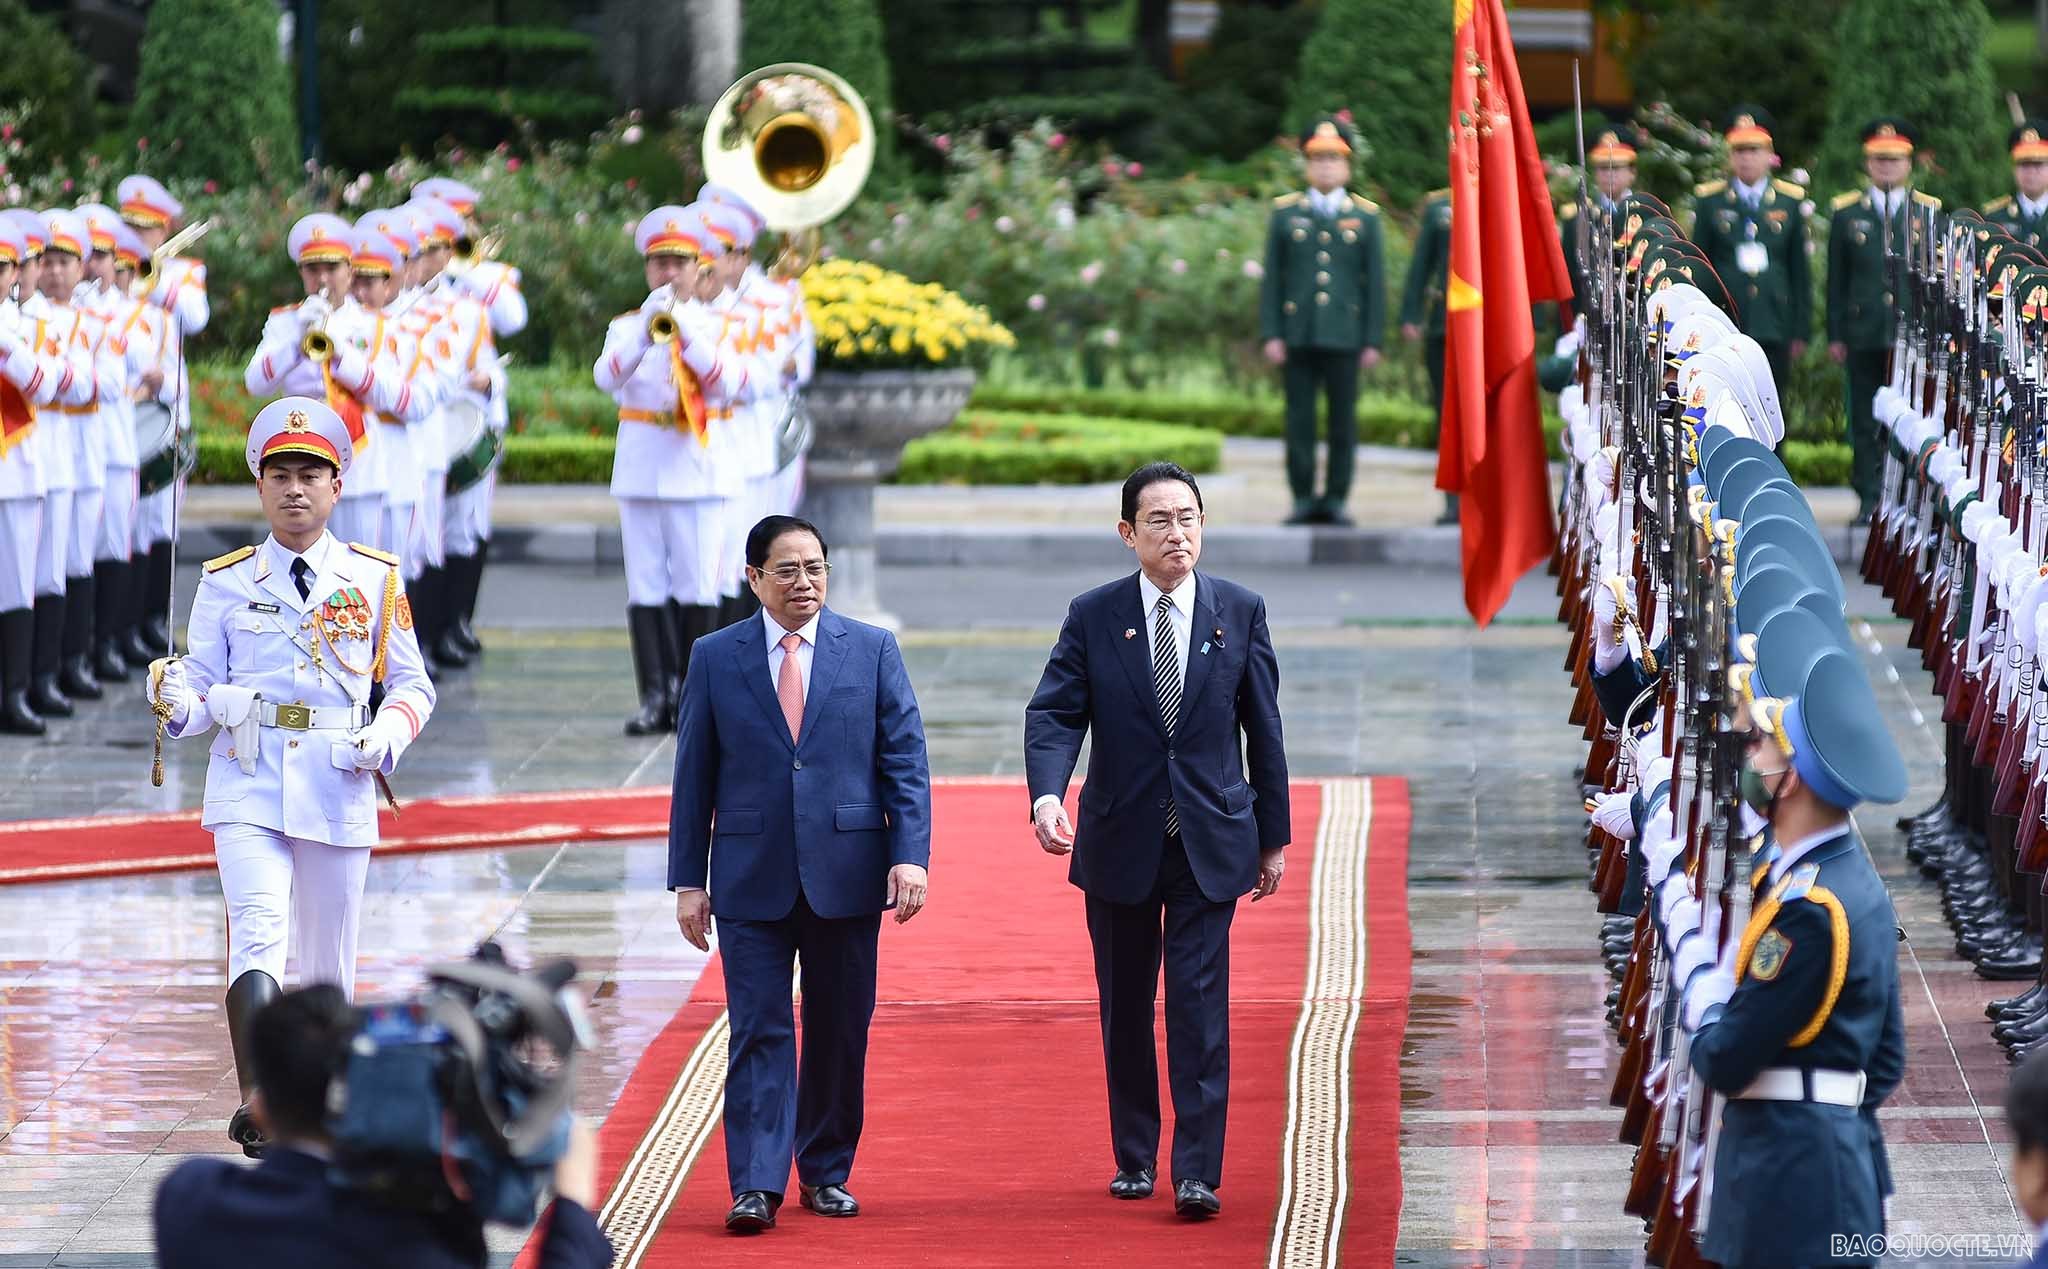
(1794, 1084)
(312, 717)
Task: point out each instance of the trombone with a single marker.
(153, 263)
(470, 251)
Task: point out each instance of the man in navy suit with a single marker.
(1174, 673)
(284, 1211)
(2026, 1114)
(802, 812)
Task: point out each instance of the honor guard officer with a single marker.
(287, 640)
(1804, 1033)
(1322, 312)
(2024, 213)
(1869, 225)
(1422, 304)
(1752, 228)
(33, 378)
(675, 467)
(178, 288)
(1612, 161)
(328, 348)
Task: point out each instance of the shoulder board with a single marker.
(1998, 204)
(1364, 204)
(382, 557)
(1849, 199)
(1926, 200)
(1290, 200)
(1567, 211)
(1788, 189)
(1707, 189)
(1799, 881)
(236, 556)
(284, 308)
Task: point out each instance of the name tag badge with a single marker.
(1752, 257)
(1205, 649)
(256, 607)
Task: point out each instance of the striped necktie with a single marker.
(1166, 677)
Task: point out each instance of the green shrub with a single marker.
(1232, 101)
(1382, 419)
(1923, 60)
(1817, 463)
(844, 36)
(1383, 60)
(557, 460)
(985, 447)
(40, 70)
(1780, 54)
(213, 100)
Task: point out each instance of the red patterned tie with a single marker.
(789, 685)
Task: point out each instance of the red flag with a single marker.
(1505, 256)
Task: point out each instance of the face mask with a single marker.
(1756, 795)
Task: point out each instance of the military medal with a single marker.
(345, 615)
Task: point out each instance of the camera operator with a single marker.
(285, 1210)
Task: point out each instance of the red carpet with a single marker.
(112, 845)
(986, 1138)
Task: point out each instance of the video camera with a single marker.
(458, 1099)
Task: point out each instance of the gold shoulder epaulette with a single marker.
(1365, 204)
(1707, 189)
(284, 308)
(1788, 189)
(1998, 204)
(1567, 211)
(236, 556)
(382, 557)
(1849, 199)
(1926, 200)
(1291, 200)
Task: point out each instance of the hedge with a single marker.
(993, 447)
(1382, 420)
(529, 460)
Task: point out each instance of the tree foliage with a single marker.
(843, 36)
(212, 96)
(39, 67)
(1388, 63)
(1780, 54)
(1923, 60)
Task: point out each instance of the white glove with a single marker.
(313, 311)
(369, 750)
(1612, 816)
(1569, 344)
(167, 684)
(1691, 952)
(1711, 988)
(661, 299)
(1681, 915)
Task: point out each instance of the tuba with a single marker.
(796, 140)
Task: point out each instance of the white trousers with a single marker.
(398, 531)
(358, 519)
(53, 545)
(789, 488)
(674, 549)
(430, 549)
(117, 515)
(273, 883)
(153, 517)
(741, 515)
(86, 505)
(467, 520)
(21, 525)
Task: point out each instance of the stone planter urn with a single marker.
(863, 419)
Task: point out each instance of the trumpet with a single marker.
(153, 263)
(316, 343)
(470, 251)
(662, 327)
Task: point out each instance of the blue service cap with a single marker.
(1837, 736)
(1779, 497)
(1711, 438)
(1734, 450)
(1791, 640)
(1806, 554)
(1764, 592)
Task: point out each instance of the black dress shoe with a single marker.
(1195, 1200)
(828, 1200)
(1132, 1185)
(242, 1130)
(752, 1212)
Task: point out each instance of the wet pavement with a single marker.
(114, 1062)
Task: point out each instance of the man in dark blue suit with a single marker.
(1174, 673)
(284, 1211)
(802, 812)
(2026, 1114)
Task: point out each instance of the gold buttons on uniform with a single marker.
(1322, 297)
(292, 743)
(1322, 278)
(1322, 257)
(1288, 306)
(1323, 235)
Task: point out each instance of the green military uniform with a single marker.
(2007, 214)
(1863, 313)
(1771, 282)
(1325, 299)
(1429, 271)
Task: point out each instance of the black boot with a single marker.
(17, 641)
(448, 651)
(646, 624)
(469, 584)
(110, 604)
(76, 677)
(249, 993)
(156, 600)
(43, 694)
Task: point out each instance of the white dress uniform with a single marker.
(285, 672)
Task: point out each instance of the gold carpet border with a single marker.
(1315, 1152)
(647, 1186)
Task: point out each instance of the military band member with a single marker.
(381, 251)
(790, 353)
(675, 466)
(362, 378)
(178, 290)
(1869, 227)
(1752, 228)
(1322, 314)
(747, 335)
(287, 639)
(2024, 213)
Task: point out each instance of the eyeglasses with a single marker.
(787, 574)
(1161, 522)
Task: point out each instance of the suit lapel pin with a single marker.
(1130, 634)
(1219, 636)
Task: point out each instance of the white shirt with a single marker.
(773, 630)
(1328, 204)
(1789, 856)
(1181, 616)
(1886, 201)
(1753, 195)
(2031, 210)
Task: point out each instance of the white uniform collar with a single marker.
(1753, 193)
(1789, 855)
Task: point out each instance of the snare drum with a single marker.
(167, 455)
(794, 431)
(474, 446)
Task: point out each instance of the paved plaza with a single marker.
(114, 1060)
